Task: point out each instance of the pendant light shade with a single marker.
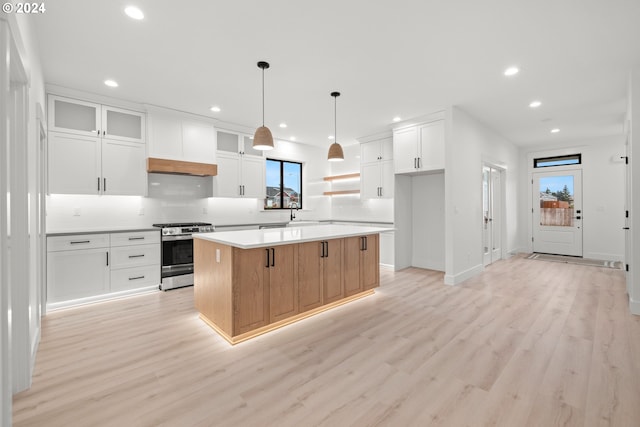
(335, 150)
(262, 139)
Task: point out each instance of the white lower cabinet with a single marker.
(77, 274)
(95, 266)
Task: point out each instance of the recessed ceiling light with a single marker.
(535, 104)
(134, 13)
(111, 83)
(331, 137)
(396, 119)
(293, 138)
(555, 130)
(215, 109)
(511, 71)
(283, 125)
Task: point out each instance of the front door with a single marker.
(557, 212)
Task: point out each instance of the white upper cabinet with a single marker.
(432, 146)
(95, 149)
(376, 169)
(181, 137)
(419, 148)
(91, 119)
(241, 169)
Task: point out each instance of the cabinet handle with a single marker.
(136, 238)
(321, 249)
(107, 258)
(366, 243)
(104, 184)
(273, 257)
(136, 256)
(361, 243)
(77, 242)
(268, 262)
(243, 188)
(326, 250)
(98, 183)
(419, 161)
(136, 278)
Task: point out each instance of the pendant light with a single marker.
(262, 139)
(335, 150)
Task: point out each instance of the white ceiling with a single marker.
(402, 58)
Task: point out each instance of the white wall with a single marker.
(469, 144)
(427, 194)
(126, 211)
(603, 173)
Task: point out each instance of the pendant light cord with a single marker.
(263, 97)
(335, 119)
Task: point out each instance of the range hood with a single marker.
(179, 167)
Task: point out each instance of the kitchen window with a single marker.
(284, 185)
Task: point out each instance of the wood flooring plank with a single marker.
(524, 343)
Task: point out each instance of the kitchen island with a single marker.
(253, 281)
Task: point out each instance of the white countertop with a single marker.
(99, 230)
(248, 239)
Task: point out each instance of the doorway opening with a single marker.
(492, 212)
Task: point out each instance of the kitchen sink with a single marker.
(302, 223)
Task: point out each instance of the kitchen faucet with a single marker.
(291, 206)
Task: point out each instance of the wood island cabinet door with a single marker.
(250, 289)
(283, 282)
(369, 264)
(352, 281)
(332, 278)
(310, 268)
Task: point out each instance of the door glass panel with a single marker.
(248, 147)
(485, 209)
(227, 142)
(123, 124)
(69, 115)
(557, 201)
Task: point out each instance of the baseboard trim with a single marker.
(101, 298)
(456, 279)
(634, 306)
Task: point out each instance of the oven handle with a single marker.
(174, 238)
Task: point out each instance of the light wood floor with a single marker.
(526, 343)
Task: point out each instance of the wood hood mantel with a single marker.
(180, 167)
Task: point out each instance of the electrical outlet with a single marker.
(76, 211)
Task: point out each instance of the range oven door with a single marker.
(177, 255)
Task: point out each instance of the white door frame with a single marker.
(501, 215)
(531, 170)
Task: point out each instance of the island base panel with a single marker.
(277, 325)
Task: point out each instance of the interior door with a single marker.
(557, 212)
(491, 211)
(628, 241)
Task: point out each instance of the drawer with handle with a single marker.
(132, 278)
(131, 256)
(135, 238)
(76, 242)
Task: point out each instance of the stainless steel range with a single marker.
(177, 252)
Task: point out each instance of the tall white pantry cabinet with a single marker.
(95, 149)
